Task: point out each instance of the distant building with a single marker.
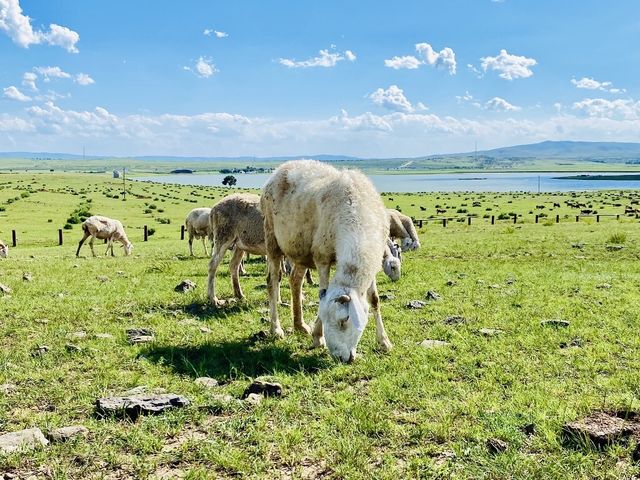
(116, 174)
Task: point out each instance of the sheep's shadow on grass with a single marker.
(205, 310)
(230, 360)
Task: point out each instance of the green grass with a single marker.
(413, 413)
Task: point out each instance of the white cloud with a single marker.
(500, 105)
(325, 59)
(51, 72)
(467, 97)
(29, 80)
(445, 58)
(204, 68)
(13, 93)
(393, 98)
(592, 84)
(83, 79)
(509, 66)
(475, 71)
(18, 27)
(218, 34)
(600, 107)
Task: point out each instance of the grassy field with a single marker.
(413, 413)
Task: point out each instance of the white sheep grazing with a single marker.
(104, 228)
(401, 226)
(197, 224)
(234, 220)
(4, 250)
(319, 216)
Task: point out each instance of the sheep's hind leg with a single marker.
(191, 244)
(295, 282)
(204, 244)
(323, 281)
(216, 257)
(381, 334)
(234, 268)
(86, 235)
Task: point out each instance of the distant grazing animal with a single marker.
(401, 226)
(441, 210)
(556, 205)
(319, 216)
(104, 228)
(197, 224)
(4, 250)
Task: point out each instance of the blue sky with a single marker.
(371, 79)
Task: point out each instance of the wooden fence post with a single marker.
(59, 236)
(577, 218)
(618, 217)
(515, 218)
(182, 232)
(14, 238)
(146, 233)
(493, 219)
(536, 218)
(444, 222)
(468, 220)
(557, 218)
(420, 223)
(597, 218)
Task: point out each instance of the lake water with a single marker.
(450, 182)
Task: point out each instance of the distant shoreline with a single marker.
(626, 177)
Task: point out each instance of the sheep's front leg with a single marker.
(234, 268)
(93, 252)
(216, 257)
(86, 235)
(295, 282)
(191, 244)
(381, 334)
(204, 245)
(273, 281)
(323, 280)
(110, 246)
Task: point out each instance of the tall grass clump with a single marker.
(617, 238)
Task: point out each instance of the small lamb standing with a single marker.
(197, 224)
(319, 216)
(4, 250)
(236, 219)
(401, 226)
(104, 228)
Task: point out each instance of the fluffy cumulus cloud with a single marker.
(426, 55)
(29, 80)
(18, 27)
(51, 72)
(203, 68)
(509, 66)
(617, 109)
(12, 93)
(393, 99)
(83, 79)
(325, 58)
(498, 104)
(592, 84)
(217, 33)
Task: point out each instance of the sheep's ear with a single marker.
(323, 293)
(342, 299)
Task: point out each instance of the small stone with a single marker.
(206, 382)
(576, 342)
(431, 295)
(510, 281)
(102, 278)
(599, 430)
(285, 304)
(120, 272)
(433, 343)
(185, 286)
(604, 286)
(104, 336)
(490, 332)
(40, 350)
(79, 334)
(22, 440)
(416, 304)
(140, 335)
(253, 398)
(268, 389)
(71, 348)
(61, 295)
(528, 429)
(7, 388)
(27, 277)
(455, 320)
(4, 289)
(555, 323)
(614, 248)
(451, 283)
(133, 406)
(205, 330)
(496, 446)
(578, 245)
(63, 434)
(386, 296)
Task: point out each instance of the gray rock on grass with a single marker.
(63, 434)
(133, 406)
(28, 439)
(185, 286)
(268, 389)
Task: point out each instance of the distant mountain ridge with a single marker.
(548, 149)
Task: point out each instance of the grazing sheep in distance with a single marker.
(104, 228)
(319, 216)
(197, 224)
(401, 226)
(4, 250)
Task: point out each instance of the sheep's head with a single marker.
(409, 244)
(127, 248)
(4, 250)
(391, 267)
(344, 315)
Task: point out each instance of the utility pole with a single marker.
(124, 184)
